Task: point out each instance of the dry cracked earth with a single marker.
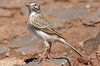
(77, 20)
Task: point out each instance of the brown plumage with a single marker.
(42, 29)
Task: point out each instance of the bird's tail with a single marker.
(64, 42)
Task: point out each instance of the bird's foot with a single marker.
(42, 55)
(49, 57)
(40, 59)
(45, 57)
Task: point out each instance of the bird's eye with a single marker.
(34, 4)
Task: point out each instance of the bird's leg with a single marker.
(47, 47)
(49, 51)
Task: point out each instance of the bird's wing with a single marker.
(45, 27)
(51, 31)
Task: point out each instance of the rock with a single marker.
(26, 40)
(69, 13)
(11, 62)
(56, 62)
(10, 32)
(6, 13)
(92, 44)
(63, 12)
(93, 18)
(53, 62)
(33, 63)
(26, 50)
(57, 23)
(4, 49)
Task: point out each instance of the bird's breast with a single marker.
(45, 36)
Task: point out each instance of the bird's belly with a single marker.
(44, 36)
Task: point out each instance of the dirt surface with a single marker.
(77, 20)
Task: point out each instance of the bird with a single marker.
(43, 30)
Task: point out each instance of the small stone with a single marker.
(92, 44)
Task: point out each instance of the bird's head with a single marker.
(33, 7)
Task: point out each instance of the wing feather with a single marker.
(41, 24)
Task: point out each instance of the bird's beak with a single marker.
(27, 5)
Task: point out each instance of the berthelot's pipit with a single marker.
(43, 30)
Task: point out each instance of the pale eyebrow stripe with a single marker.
(32, 3)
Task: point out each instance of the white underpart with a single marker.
(33, 13)
(44, 36)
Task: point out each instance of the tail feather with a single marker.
(63, 41)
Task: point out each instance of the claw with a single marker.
(40, 60)
(42, 56)
(49, 57)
